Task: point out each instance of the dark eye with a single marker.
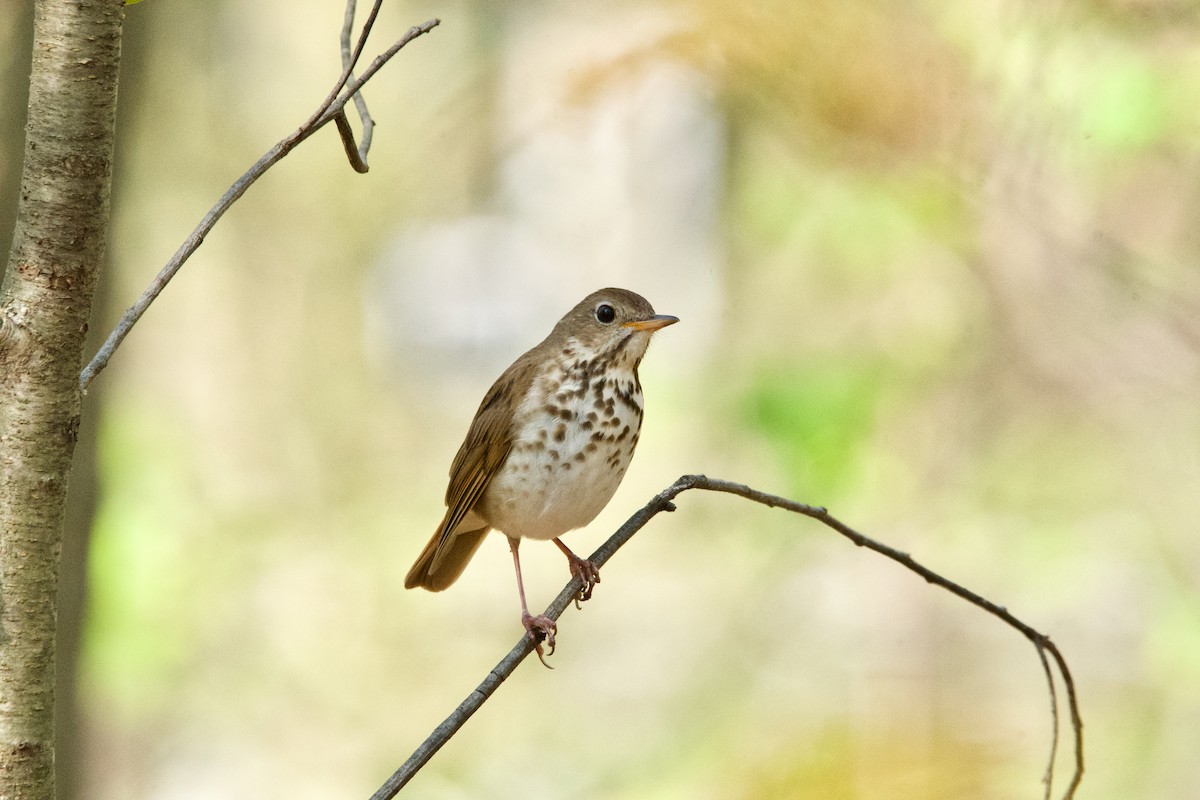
(605, 314)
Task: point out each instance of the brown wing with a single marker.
(483, 452)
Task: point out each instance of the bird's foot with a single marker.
(541, 629)
(587, 572)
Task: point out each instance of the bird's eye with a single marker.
(605, 314)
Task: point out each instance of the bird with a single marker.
(548, 446)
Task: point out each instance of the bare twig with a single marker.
(357, 155)
(1048, 777)
(663, 502)
(345, 88)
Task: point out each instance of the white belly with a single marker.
(563, 469)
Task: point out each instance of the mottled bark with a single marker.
(45, 302)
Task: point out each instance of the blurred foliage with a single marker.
(936, 268)
(819, 420)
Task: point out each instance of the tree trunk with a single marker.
(45, 302)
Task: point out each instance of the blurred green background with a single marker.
(937, 268)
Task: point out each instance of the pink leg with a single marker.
(539, 627)
(581, 568)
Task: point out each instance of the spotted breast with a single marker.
(580, 422)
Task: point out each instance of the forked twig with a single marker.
(663, 502)
(345, 88)
(357, 155)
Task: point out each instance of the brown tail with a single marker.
(437, 568)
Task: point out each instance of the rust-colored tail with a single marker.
(440, 564)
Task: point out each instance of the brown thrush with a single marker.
(548, 446)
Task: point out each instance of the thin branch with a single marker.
(442, 733)
(663, 502)
(357, 155)
(1076, 719)
(1048, 777)
(343, 90)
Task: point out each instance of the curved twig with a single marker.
(1048, 776)
(663, 502)
(344, 89)
(356, 154)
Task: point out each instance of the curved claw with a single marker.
(588, 573)
(541, 629)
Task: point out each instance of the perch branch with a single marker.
(663, 502)
(343, 90)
